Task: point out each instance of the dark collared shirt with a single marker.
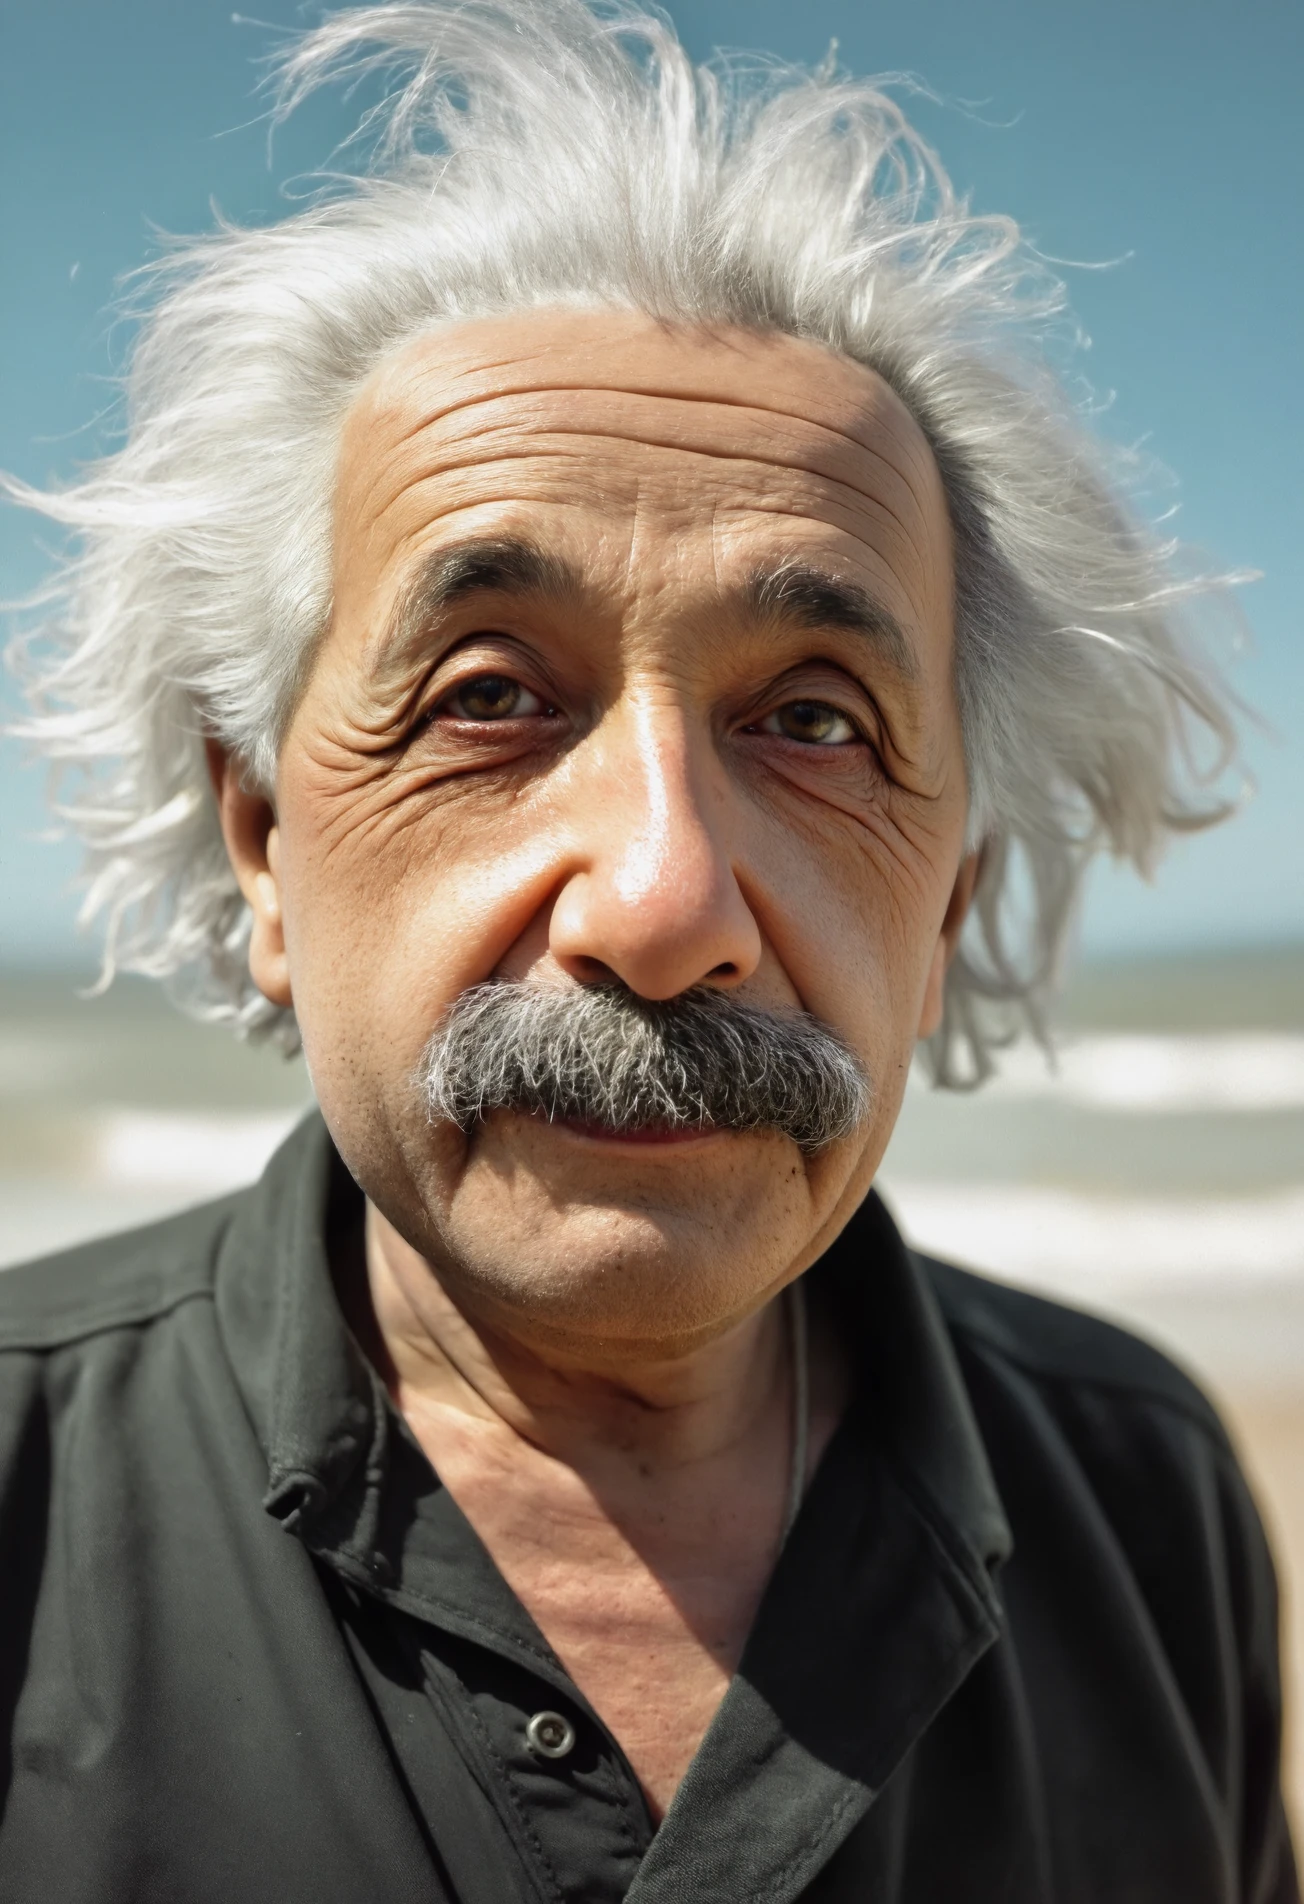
(250, 1650)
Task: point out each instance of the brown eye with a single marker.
(811, 721)
(492, 697)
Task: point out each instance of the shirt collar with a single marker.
(912, 1383)
(880, 1606)
(881, 1602)
(317, 1407)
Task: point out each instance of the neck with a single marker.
(636, 1506)
(669, 1409)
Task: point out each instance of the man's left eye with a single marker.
(812, 721)
(491, 697)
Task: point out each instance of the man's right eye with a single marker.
(491, 697)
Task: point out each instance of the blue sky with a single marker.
(1164, 135)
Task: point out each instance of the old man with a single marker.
(604, 630)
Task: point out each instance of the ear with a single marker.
(930, 1016)
(253, 845)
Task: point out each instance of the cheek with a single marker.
(397, 897)
(852, 911)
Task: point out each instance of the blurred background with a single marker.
(1158, 1174)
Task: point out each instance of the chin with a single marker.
(617, 1241)
(640, 1262)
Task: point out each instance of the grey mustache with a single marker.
(600, 1055)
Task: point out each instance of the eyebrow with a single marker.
(794, 592)
(482, 565)
(813, 598)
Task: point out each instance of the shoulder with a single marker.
(1075, 1410)
(1058, 1347)
(1133, 1528)
(126, 1281)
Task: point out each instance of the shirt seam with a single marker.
(508, 1778)
(992, 1351)
(39, 1343)
(606, 1773)
(812, 1844)
(407, 1600)
(952, 1548)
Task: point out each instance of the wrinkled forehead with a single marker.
(751, 433)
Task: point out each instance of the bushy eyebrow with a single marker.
(482, 565)
(814, 598)
(793, 592)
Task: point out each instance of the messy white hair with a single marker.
(531, 153)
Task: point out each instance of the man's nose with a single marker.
(654, 899)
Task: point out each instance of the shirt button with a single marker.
(550, 1735)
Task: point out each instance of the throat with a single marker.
(644, 1578)
(636, 1516)
(650, 1638)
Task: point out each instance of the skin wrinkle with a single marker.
(791, 505)
(448, 793)
(728, 606)
(582, 1332)
(788, 592)
(812, 419)
(489, 378)
(401, 812)
(394, 818)
(802, 458)
(496, 392)
(555, 443)
(452, 638)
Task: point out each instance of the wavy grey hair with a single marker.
(533, 153)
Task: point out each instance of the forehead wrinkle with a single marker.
(710, 400)
(697, 389)
(902, 471)
(559, 446)
(835, 423)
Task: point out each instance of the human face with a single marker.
(639, 668)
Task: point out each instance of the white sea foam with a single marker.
(1081, 1244)
(1156, 1075)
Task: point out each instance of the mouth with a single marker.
(643, 1136)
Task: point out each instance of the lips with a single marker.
(649, 1134)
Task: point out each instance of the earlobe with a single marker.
(948, 939)
(249, 829)
(269, 964)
